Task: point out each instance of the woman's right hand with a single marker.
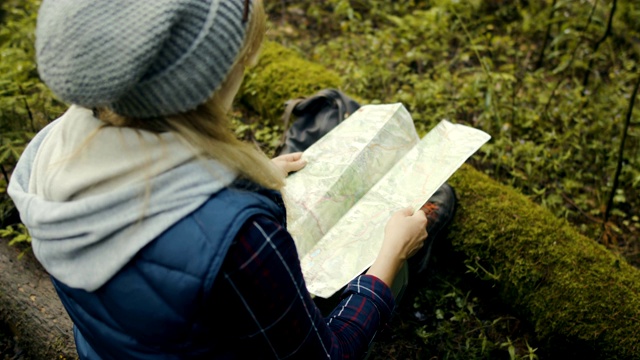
(404, 235)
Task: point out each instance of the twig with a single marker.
(616, 178)
(26, 105)
(572, 203)
(547, 35)
(585, 80)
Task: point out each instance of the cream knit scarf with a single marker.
(92, 197)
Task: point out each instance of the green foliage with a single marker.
(6, 206)
(265, 136)
(17, 235)
(12, 144)
(489, 64)
(459, 328)
(26, 105)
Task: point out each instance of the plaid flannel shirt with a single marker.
(262, 300)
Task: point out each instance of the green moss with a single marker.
(281, 74)
(573, 290)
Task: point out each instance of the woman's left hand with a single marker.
(289, 162)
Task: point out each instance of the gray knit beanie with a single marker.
(140, 58)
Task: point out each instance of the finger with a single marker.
(295, 165)
(294, 156)
(288, 157)
(291, 157)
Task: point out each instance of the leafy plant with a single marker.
(515, 70)
(26, 105)
(17, 235)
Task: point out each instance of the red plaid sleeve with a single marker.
(261, 287)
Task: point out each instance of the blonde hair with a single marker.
(208, 129)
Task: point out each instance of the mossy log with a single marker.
(30, 306)
(281, 74)
(575, 292)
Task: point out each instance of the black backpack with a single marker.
(315, 116)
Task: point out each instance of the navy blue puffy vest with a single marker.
(156, 306)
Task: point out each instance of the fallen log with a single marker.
(31, 308)
(577, 294)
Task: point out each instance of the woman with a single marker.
(164, 235)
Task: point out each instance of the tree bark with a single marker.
(30, 306)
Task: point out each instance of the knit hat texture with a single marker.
(140, 58)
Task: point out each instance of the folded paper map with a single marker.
(356, 177)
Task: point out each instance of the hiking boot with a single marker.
(439, 210)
